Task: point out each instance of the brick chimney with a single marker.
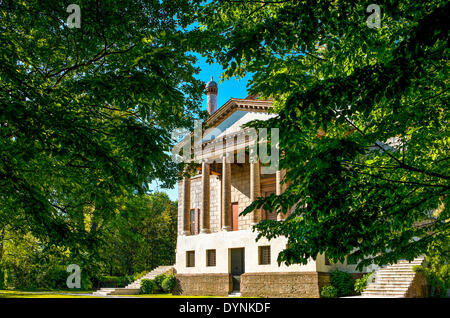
(211, 93)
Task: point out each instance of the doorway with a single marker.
(237, 266)
(234, 216)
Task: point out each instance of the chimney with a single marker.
(211, 93)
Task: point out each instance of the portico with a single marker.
(222, 174)
(217, 251)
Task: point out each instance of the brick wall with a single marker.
(292, 284)
(203, 284)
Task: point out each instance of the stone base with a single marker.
(204, 284)
(291, 284)
(419, 287)
(266, 284)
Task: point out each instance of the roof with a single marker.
(229, 118)
(234, 104)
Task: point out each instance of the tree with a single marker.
(363, 118)
(142, 236)
(86, 113)
(139, 238)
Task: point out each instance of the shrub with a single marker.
(329, 292)
(343, 282)
(148, 286)
(169, 283)
(86, 282)
(136, 276)
(361, 283)
(438, 277)
(112, 281)
(128, 279)
(51, 277)
(159, 279)
(2, 278)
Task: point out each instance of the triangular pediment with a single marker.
(229, 118)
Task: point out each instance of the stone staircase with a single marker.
(393, 280)
(134, 287)
(150, 275)
(116, 291)
(235, 294)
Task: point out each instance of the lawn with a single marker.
(44, 294)
(79, 294)
(167, 296)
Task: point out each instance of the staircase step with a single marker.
(388, 274)
(387, 292)
(400, 276)
(395, 295)
(394, 268)
(393, 280)
(386, 288)
(392, 283)
(151, 275)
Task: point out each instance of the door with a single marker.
(234, 216)
(268, 215)
(237, 264)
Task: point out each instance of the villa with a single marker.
(217, 252)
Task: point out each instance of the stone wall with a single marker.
(196, 201)
(204, 284)
(419, 287)
(292, 284)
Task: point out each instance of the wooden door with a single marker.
(234, 216)
(269, 215)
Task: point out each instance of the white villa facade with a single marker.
(217, 252)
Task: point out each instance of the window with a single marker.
(210, 257)
(193, 220)
(190, 258)
(264, 255)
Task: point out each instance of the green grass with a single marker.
(67, 294)
(42, 294)
(166, 296)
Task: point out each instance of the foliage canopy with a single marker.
(363, 117)
(86, 113)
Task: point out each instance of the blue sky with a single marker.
(227, 89)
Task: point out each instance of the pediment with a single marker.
(229, 118)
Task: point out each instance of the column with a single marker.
(278, 191)
(226, 195)
(186, 197)
(205, 198)
(255, 188)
